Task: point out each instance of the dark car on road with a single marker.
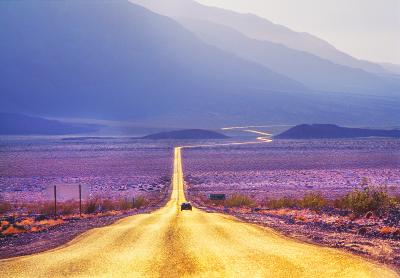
(186, 206)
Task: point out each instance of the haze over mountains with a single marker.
(16, 124)
(311, 70)
(257, 28)
(117, 60)
(300, 56)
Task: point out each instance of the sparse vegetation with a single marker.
(239, 200)
(68, 207)
(285, 202)
(122, 204)
(314, 201)
(107, 205)
(4, 207)
(140, 202)
(36, 217)
(91, 206)
(368, 199)
(45, 208)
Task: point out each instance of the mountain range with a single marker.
(18, 124)
(258, 28)
(117, 60)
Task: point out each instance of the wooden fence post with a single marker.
(80, 200)
(55, 200)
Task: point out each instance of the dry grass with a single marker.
(108, 205)
(140, 202)
(45, 208)
(91, 206)
(387, 230)
(368, 199)
(38, 214)
(68, 207)
(5, 207)
(11, 230)
(103, 205)
(314, 201)
(285, 202)
(239, 200)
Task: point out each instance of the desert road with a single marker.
(171, 243)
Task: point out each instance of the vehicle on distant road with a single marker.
(186, 206)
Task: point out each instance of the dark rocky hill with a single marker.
(321, 131)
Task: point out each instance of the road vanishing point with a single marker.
(171, 243)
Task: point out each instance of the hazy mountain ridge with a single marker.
(304, 67)
(258, 28)
(18, 124)
(103, 58)
(392, 68)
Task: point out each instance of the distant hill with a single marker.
(18, 124)
(187, 134)
(321, 131)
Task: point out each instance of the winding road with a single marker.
(171, 243)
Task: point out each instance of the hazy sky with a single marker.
(367, 29)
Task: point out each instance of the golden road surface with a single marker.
(171, 243)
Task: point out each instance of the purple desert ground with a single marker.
(105, 168)
(294, 167)
(199, 138)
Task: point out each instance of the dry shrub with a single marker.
(238, 200)
(4, 207)
(209, 202)
(125, 204)
(35, 229)
(140, 202)
(45, 208)
(27, 222)
(314, 201)
(300, 218)
(91, 206)
(12, 230)
(108, 205)
(285, 202)
(68, 207)
(387, 230)
(361, 201)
